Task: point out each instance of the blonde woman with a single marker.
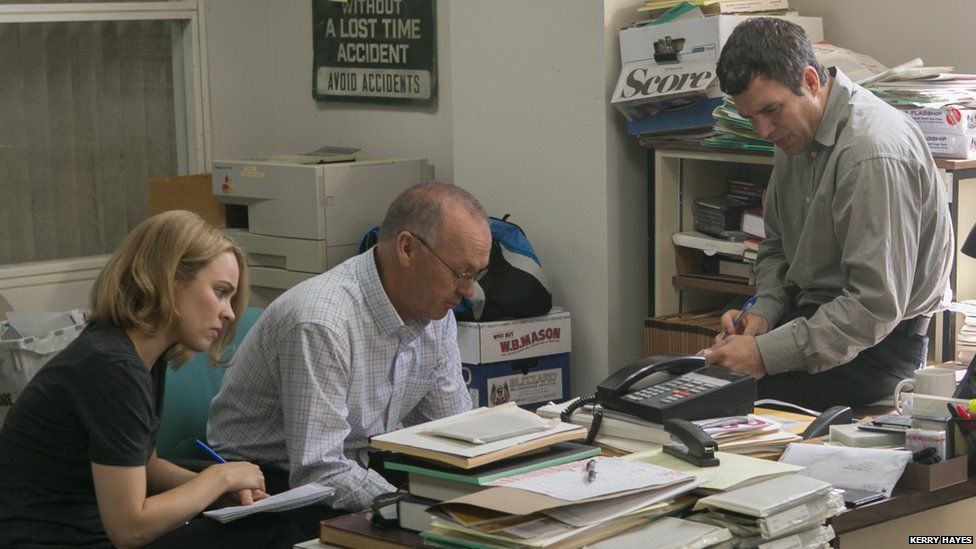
(78, 464)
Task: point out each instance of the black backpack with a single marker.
(514, 286)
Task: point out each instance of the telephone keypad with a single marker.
(676, 389)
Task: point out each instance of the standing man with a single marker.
(858, 241)
(357, 350)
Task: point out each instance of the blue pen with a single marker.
(745, 307)
(216, 457)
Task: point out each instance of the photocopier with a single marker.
(307, 213)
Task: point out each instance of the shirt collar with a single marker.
(834, 114)
(379, 304)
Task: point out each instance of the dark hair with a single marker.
(420, 209)
(769, 47)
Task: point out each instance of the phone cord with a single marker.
(597, 416)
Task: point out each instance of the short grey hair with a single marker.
(420, 209)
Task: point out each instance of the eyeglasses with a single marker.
(459, 278)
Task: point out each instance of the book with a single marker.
(735, 268)
(412, 513)
(417, 441)
(752, 222)
(767, 498)
(306, 494)
(708, 244)
(355, 530)
(442, 483)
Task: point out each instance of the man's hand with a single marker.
(738, 353)
(750, 324)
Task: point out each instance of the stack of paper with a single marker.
(792, 509)
(292, 499)
(440, 483)
(491, 434)
(734, 471)
(566, 504)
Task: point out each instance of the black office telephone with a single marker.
(676, 387)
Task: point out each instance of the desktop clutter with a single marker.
(651, 456)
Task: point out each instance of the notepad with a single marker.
(501, 424)
(292, 499)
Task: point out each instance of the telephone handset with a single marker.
(675, 386)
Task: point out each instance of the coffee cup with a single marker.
(927, 381)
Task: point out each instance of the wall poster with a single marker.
(374, 51)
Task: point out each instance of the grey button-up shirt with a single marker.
(858, 224)
(328, 365)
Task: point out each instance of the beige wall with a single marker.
(522, 120)
(895, 31)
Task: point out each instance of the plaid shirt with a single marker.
(328, 365)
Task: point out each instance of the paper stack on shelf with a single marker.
(791, 509)
(659, 9)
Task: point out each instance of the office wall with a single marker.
(522, 121)
(534, 137)
(895, 31)
(261, 91)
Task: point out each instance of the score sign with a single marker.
(374, 51)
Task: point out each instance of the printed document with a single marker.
(571, 481)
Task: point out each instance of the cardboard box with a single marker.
(193, 193)
(683, 333)
(932, 477)
(695, 39)
(645, 88)
(505, 340)
(951, 146)
(947, 121)
(529, 382)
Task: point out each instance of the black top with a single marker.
(94, 402)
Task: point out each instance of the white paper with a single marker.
(292, 499)
(850, 468)
(733, 470)
(569, 481)
(418, 436)
(505, 423)
(595, 512)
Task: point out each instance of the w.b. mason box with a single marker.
(524, 360)
(529, 382)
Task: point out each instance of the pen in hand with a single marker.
(214, 455)
(745, 308)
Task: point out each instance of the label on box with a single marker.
(532, 387)
(645, 88)
(951, 146)
(949, 120)
(488, 342)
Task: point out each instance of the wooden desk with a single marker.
(950, 511)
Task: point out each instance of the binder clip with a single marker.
(666, 50)
(696, 446)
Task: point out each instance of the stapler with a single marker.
(696, 447)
